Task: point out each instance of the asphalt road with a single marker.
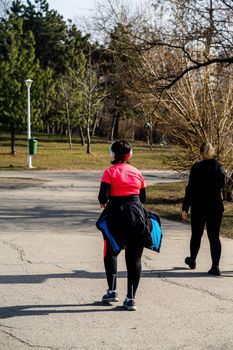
(52, 276)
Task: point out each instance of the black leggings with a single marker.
(133, 256)
(213, 223)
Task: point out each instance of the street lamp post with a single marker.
(29, 157)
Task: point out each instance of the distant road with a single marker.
(151, 176)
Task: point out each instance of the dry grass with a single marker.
(55, 153)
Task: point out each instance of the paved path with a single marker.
(52, 276)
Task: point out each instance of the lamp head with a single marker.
(28, 82)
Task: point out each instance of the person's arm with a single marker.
(104, 194)
(187, 198)
(222, 176)
(142, 195)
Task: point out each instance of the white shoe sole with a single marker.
(110, 300)
(130, 308)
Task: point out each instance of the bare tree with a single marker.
(200, 32)
(182, 70)
(92, 98)
(200, 109)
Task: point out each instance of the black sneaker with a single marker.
(190, 262)
(110, 296)
(129, 304)
(214, 271)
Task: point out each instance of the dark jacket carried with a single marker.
(203, 192)
(128, 223)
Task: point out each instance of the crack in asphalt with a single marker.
(20, 251)
(27, 343)
(200, 290)
(2, 325)
(162, 277)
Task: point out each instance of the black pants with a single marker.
(213, 222)
(133, 256)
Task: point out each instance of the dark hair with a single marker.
(121, 150)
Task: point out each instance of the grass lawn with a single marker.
(55, 153)
(166, 200)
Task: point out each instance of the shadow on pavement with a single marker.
(44, 310)
(176, 272)
(182, 272)
(44, 217)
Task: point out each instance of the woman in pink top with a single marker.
(122, 192)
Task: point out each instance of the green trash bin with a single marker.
(33, 144)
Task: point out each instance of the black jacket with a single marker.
(126, 220)
(203, 192)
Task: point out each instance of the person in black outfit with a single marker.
(203, 195)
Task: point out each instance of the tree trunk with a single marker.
(61, 129)
(95, 124)
(89, 104)
(112, 128)
(81, 135)
(151, 138)
(148, 136)
(114, 131)
(13, 147)
(116, 128)
(88, 140)
(68, 123)
(132, 136)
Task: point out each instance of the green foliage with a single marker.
(17, 63)
(49, 30)
(70, 91)
(56, 42)
(35, 43)
(43, 96)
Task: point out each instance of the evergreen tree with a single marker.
(17, 63)
(49, 30)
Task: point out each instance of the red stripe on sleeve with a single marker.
(105, 247)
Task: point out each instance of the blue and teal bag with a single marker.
(155, 232)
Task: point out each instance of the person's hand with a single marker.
(103, 205)
(184, 215)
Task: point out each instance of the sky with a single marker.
(81, 12)
(71, 9)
